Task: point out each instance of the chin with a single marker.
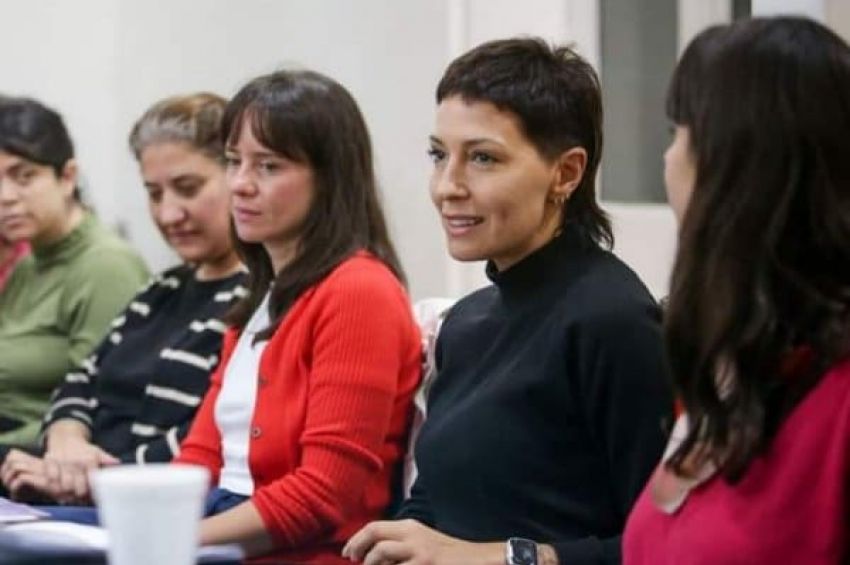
(187, 253)
(248, 235)
(194, 258)
(458, 253)
(16, 236)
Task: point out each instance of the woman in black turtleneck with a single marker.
(547, 414)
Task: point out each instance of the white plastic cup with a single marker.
(152, 513)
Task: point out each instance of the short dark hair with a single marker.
(555, 95)
(35, 132)
(312, 119)
(762, 275)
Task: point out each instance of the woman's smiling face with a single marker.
(490, 184)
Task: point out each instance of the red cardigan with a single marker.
(791, 506)
(333, 407)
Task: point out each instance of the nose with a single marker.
(8, 195)
(448, 182)
(240, 181)
(171, 210)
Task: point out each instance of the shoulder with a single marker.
(361, 283)
(476, 302)
(605, 276)
(165, 283)
(105, 249)
(106, 239)
(235, 282)
(607, 293)
(362, 272)
(834, 386)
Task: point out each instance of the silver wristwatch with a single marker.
(521, 551)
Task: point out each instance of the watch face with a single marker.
(523, 551)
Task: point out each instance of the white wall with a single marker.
(101, 62)
(811, 8)
(696, 15)
(62, 52)
(388, 53)
(837, 14)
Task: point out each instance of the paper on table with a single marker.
(70, 535)
(75, 534)
(14, 512)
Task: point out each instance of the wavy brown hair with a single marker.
(310, 118)
(762, 275)
(194, 119)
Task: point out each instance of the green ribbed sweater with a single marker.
(55, 308)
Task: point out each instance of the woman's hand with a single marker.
(69, 458)
(410, 543)
(23, 474)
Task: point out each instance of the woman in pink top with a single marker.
(10, 254)
(758, 323)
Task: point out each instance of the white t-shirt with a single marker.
(234, 407)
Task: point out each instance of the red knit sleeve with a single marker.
(202, 445)
(360, 337)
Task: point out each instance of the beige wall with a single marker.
(837, 14)
(100, 62)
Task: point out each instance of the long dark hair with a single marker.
(312, 119)
(760, 294)
(555, 95)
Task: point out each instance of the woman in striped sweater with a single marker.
(133, 399)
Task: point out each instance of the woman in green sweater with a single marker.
(58, 303)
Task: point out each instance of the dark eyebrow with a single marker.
(469, 142)
(186, 177)
(257, 154)
(19, 166)
(269, 155)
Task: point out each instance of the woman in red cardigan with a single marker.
(306, 417)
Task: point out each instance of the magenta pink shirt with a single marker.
(19, 251)
(792, 505)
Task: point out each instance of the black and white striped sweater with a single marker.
(139, 389)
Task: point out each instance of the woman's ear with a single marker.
(68, 178)
(569, 170)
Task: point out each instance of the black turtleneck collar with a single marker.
(537, 267)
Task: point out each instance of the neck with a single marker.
(218, 267)
(548, 231)
(72, 219)
(281, 254)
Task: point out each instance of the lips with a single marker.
(181, 235)
(12, 219)
(459, 225)
(244, 214)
